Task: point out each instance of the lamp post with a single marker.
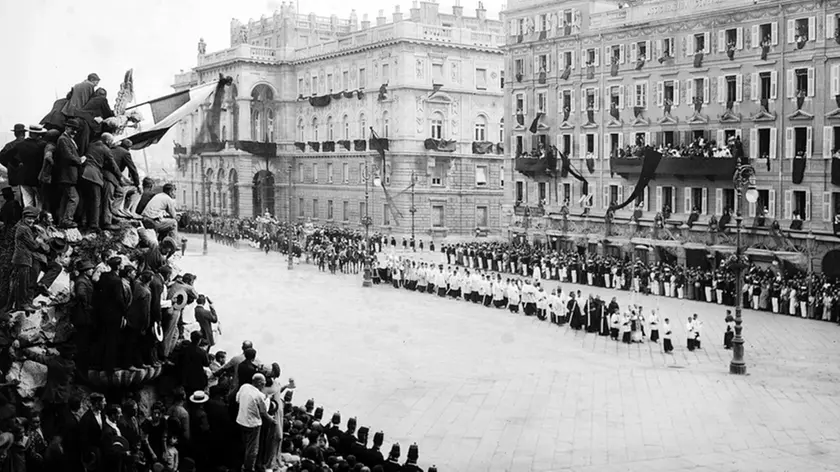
(810, 246)
(413, 210)
(290, 231)
(367, 281)
(745, 187)
(203, 205)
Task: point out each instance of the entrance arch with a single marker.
(263, 192)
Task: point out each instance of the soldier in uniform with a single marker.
(392, 464)
(411, 462)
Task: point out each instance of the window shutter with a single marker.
(620, 194)
(647, 94)
(572, 100)
(647, 138)
(773, 138)
(621, 97)
(721, 88)
(658, 198)
(607, 146)
(596, 144)
(826, 144)
(597, 93)
(826, 206)
(739, 38)
(721, 137)
(597, 57)
(807, 215)
(788, 143)
(790, 31)
(706, 90)
(584, 58)
(582, 146)
(754, 87)
(811, 82)
(705, 204)
(647, 198)
(648, 51)
(788, 201)
(721, 46)
(660, 93)
(605, 201)
(774, 33)
(687, 200)
(809, 142)
(739, 88)
(789, 83)
(835, 80)
(753, 143)
(583, 93)
(751, 206)
(707, 40)
(718, 201)
(812, 28)
(633, 52)
(829, 26)
(772, 203)
(573, 58)
(689, 86)
(536, 64)
(676, 92)
(774, 84)
(621, 140)
(685, 49)
(754, 40)
(621, 53)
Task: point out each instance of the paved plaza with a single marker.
(481, 389)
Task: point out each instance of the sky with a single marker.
(49, 45)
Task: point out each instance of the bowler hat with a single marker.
(96, 396)
(126, 143)
(84, 265)
(58, 244)
(19, 127)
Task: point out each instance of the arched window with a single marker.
(301, 131)
(315, 129)
(346, 128)
(480, 128)
(362, 126)
(224, 133)
(437, 126)
(330, 131)
(270, 125)
(386, 124)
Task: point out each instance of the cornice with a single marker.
(395, 42)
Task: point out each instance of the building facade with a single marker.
(308, 91)
(668, 72)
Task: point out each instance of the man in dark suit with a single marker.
(68, 160)
(192, 361)
(100, 161)
(24, 245)
(137, 322)
(346, 440)
(82, 315)
(79, 96)
(70, 433)
(26, 158)
(123, 159)
(111, 306)
(113, 446)
(245, 371)
(91, 425)
(95, 111)
(205, 318)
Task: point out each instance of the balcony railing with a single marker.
(535, 165)
(649, 12)
(243, 51)
(680, 167)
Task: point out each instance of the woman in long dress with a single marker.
(272, 438)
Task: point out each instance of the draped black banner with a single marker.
(535, 124)
(798, 170)
(301, 146)
(649, 166)
(482, 147)
(315, 145)
(835, 171)
(566, 168)
(442, 145)
(590, 165)
(322, 101)
(360, 145)
(257, 149)
(345, 143)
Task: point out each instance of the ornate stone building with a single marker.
(666, 73)
(307, 92)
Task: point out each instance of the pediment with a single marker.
(800, 115)
(764, 115)
(566, 125)
(590, 125)
(730, 117)
(640, 121)
(519, 127)
(833, 115)
(615, 123)
(698, 119)
(543, 127)
(667, 120)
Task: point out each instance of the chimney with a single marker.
(457, 9)
(381, 19)
(354, 21)
(414, 13)
(397, 14)
(429, 12)
(480, 12)
(365, 22)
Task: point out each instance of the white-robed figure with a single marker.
(792, 302)
(440, 282)
(513, 296)
(653, 321)
(718, 291)
(499, 293)
(667, 345)
(542, 304)
(537, 272)
(615, 325)
(564, 273)
(697, 325)
(689, 334)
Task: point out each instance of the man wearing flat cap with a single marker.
(25, 246)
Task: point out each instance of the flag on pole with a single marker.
(167, 111)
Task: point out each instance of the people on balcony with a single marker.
(693, 216)
(796, 221)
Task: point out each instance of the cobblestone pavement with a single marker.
(482, 389)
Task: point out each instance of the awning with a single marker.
(643, 248)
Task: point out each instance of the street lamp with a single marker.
(204, 196)
(367, 281)
(745, 187)
(291, 264)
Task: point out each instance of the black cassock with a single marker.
(575, 316)
(593, 322)
(604, 325)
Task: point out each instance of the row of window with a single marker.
(437, 171)
(797, 203)
(764, 34)
(437, 213)
(730, 89)
(762, 141)
(437, 128)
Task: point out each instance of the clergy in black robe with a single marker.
(112, 303)
(593, 321)
(603, 317)
(575, 316)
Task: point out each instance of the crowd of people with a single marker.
(700, 148)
